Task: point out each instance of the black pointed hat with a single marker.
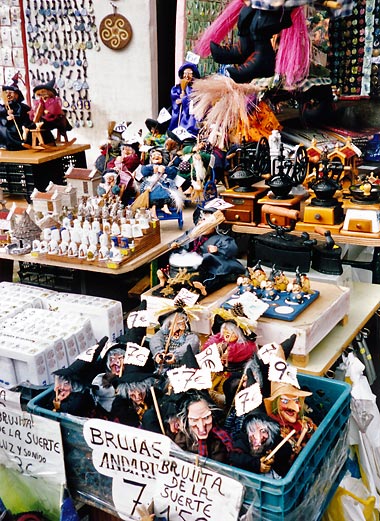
(189, 359)
(83, 370)
(48, 86)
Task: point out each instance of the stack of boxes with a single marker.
(43, 330)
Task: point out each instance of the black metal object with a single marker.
(290, 172)
(327, 257)
(253, 161)
(286, 251)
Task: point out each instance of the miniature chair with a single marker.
(174, 214)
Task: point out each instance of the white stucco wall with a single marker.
(123, 84)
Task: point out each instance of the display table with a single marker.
(373, 265)
(364, 302)
(23, 170)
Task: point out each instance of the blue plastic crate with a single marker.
(306, 489)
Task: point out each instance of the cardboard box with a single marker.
(313, 324)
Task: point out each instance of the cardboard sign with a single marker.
(188, 492)
(30, 444)
(181, 133)
(253, 306)
(131, 457)
(183, 379)
(248, 399)
(88, 354)
(136, 354)
(209, 359)
(218, 204)
(280, 371)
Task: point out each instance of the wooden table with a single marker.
(364, 302)
(373, 265)
(23, 170)
(168, 235)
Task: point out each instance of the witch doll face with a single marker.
(289, 408)
(116, 362)
(200, 419)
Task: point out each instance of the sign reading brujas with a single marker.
(143, 471)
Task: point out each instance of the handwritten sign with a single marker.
(266, 352)
(218, 204)
(253, 307)
(248, 399)
(187, 297)
(184, 378)
(280, 371)
(136, 354)
(138, 319)
(131, 457)
(181, 133)
(191, 493)
(192, 57)
(164, 115)
(209, 358)
(31, 444)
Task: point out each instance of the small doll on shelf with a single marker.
(47, 107)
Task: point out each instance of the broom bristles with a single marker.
(210, 222)
(141, 201)
(110, 127)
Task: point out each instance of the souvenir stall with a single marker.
(208, 398)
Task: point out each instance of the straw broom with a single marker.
(205, 226)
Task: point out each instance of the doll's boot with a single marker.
(260, 64)
(235, 53)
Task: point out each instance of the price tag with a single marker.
(266, 352)
(183, 379)
(136, 354)
(187, 297)
(138, 319)
(209, 358)
(164, 115)
(248, 399)
(191, 57)
(280, 371)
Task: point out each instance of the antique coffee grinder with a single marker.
(252, 161)
(363, 210)
(324, 208)
(287, 173)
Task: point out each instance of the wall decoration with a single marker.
(115, 31)
(58, 37)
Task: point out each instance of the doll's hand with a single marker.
(212, 248)
(178, 101)
(159, 358)
(170, 358)
(174, 245)
(265, 465)
(224, 358)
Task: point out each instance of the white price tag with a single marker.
(266, 352)
(209, 358)
(280, 371)
(248, 399)
(136, 354)
(183, 379)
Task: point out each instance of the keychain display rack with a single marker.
(12, 58)
(58, 36)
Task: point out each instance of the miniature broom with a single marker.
(110, 128)
(210, 222)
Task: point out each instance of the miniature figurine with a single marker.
(13, 117)
(199, 430)
(158, 184)
(286, 405)
(181, 103)
(257, 275)
(253, 53)
(110, 187)
(235, 349)
(219, 251)
(259, 436)
(168, 345)
(48, 108)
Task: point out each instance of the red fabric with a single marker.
(237, 351)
